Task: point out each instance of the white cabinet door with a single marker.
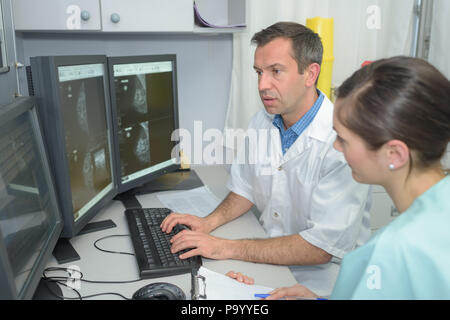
(446, 160)
(57, 15)
(383, 210)
(147, 15)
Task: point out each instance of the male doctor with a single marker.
(312, 209)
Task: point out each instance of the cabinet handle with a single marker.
(394, 211)
(115, 18)
(85, 15)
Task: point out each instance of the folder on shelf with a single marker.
(202, 22)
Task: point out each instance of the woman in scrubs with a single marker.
(392, 120)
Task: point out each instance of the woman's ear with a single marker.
(313, 71)
(397, 154)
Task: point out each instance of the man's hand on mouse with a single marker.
(193, 222)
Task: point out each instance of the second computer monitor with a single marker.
(145, 114)
(73, 97)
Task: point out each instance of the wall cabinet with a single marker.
(383, 210)
(446, 159)
(147, 15)
(57, 15)
(125, 16)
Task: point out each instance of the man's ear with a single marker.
(312, 73)
(397, 153)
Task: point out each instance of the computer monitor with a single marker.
(145, 114)
(30, 219)
(73, 96)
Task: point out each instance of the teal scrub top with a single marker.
(407, 259)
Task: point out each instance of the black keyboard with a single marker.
(152, 245)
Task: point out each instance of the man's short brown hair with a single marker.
(306, 44)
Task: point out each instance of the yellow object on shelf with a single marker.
(325, 28)
(185, 162)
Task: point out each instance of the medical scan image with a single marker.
(144, 116)
(134, 142)
(86, 138)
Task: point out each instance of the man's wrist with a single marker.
(211, 222)
(231, 249)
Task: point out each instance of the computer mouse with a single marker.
(159, 291)
(181, 227)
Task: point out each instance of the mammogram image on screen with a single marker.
(134, 142)
(86, 138)
(131, 98)
(140, 94)
(144, 130)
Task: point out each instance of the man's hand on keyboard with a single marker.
(193, 222)
(201, 243)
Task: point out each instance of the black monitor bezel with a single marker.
(49, 68)
(9, 291)
(122, 187)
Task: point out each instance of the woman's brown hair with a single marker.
(400, 98)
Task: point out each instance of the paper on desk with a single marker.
(220, 287)
(199, 201)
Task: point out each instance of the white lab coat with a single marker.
(309, 190)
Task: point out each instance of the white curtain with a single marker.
(363, 30)
(440, 46)
(440, 37)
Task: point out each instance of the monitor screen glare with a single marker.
(28, 210)
(86, 134)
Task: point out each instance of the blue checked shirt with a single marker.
(289, 136)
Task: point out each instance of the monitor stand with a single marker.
(47, 290)
(181, 179)
(64, 252)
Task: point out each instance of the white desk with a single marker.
(100, 266)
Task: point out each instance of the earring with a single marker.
(391, 167)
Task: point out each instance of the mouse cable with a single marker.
(79, 277)
(109, 251)
(80, 297)
(64, 280)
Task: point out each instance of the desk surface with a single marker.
(100, 266)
